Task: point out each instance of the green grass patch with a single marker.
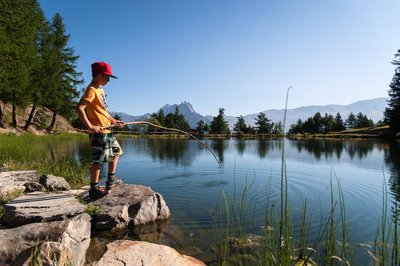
(50, 154)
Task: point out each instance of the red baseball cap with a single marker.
(102, 68)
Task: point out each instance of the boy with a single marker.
(104, 145)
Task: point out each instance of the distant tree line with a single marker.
(327, 123)
(37, 67)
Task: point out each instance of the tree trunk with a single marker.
(53, 121)
(28, 123)
(2, 111)
(14, 115)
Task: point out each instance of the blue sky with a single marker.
(239, 55)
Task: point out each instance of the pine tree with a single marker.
(392, 112)
(65, 79)
(201, 128)
(40, 80)
(19, 21)
(351, 121)
(264, 125)
(240, 126)
(218, 124)
(338, 123)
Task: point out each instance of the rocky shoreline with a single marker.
(52, 224)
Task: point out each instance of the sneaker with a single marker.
(97, 193)
(114, 182)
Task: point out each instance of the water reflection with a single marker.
(219, 146)
(359, 149)
(392, 158)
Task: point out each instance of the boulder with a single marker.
(33, 186)
(125, 252)
(14, 181)
(64, 241)
(129, 205)
(40, 207)
(54, 183)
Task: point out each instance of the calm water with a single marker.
(191, 181)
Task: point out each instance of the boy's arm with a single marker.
(80, 110)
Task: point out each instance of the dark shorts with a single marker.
(104, 147)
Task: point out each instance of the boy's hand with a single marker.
(119, 123)
(96, 129)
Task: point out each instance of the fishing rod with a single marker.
(165, 128)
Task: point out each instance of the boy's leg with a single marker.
(95, 191)
(112, 166)
(94, 174)
(112, 180)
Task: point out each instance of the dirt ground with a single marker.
(41, 121)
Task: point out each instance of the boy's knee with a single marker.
(96, 165)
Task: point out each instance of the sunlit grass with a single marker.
(30, 152)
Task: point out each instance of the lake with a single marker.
(191, 182)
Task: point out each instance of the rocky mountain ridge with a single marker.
(372, 108)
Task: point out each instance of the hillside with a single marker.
(41, 121)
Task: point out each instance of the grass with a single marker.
(282, 242)
(41, 153)
(279, 245)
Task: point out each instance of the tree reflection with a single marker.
(263, 147)
(392, 158)
(327, 148)
(219, 146)
(241, 146)
(172, 150)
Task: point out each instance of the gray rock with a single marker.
(17, 177)
(54, 183)
(129, 205)
(40, 207)
(33, 186)
(13, 182)
(124, 252)
(67, 241)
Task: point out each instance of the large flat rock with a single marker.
(14, 181)
(125, 252)
(65, 240)
(40, 207)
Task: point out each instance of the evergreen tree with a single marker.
(19, 21)
(64, 76)
(351, 121)
(40, 80)
(278, 128)
(240, 126)
(263, 124)
(176, 120)
(392, 112)
(218, 124)
(201, 128)
(363, 121)
(180, 121)
(296, 128)
(160, 116)
(338, 123)
(328, 123)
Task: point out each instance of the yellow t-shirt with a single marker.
(96, 109)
